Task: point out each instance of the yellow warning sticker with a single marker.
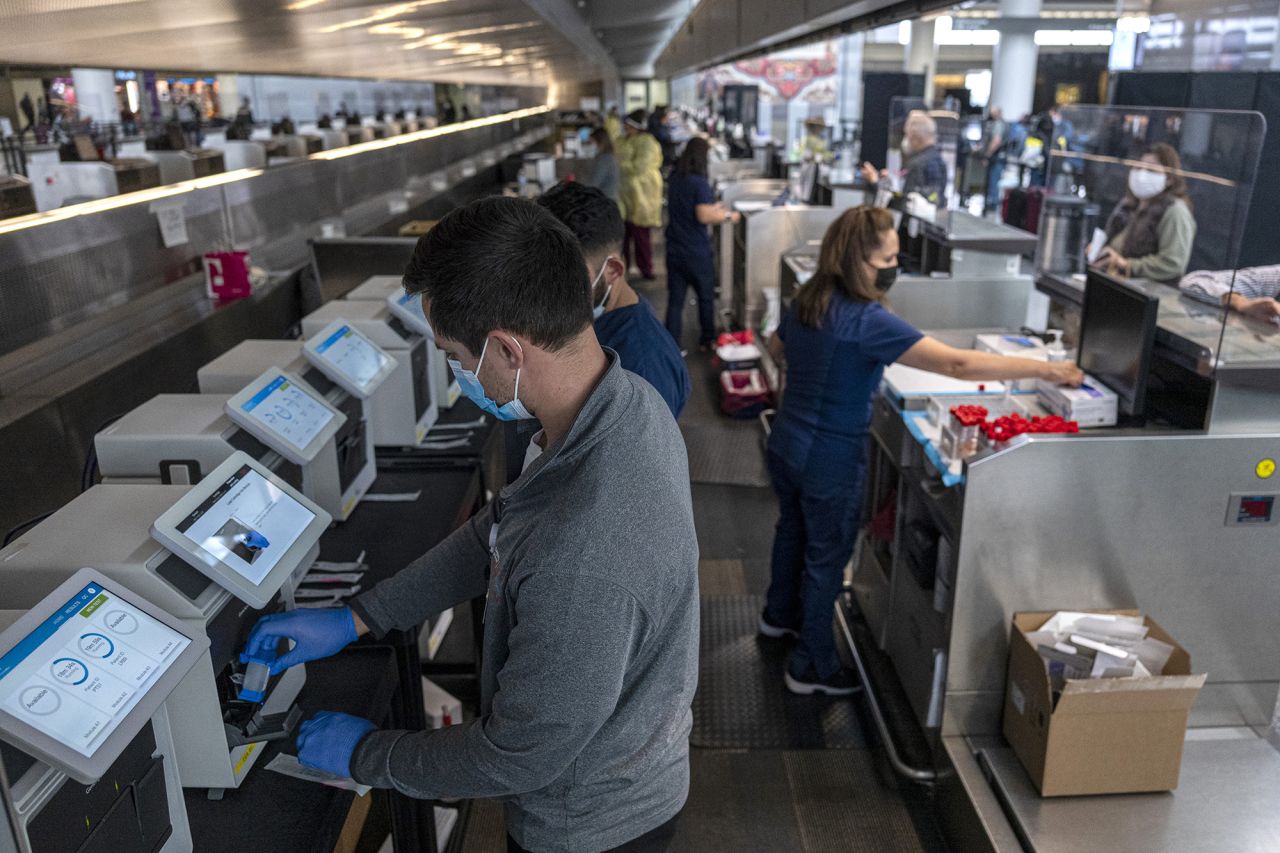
(1265, 469)
(248, 751)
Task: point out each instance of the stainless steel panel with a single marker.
(962, 303)
(968, 812)
(769, 233)
(55, 275)
(1120, 522)
(1225, 800)
(58, 274)
(751, 188)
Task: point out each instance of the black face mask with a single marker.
(885, 277)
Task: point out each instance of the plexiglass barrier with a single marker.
(1160, 198)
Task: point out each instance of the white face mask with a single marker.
(906, 147)
(598, 311)
(1145, 184)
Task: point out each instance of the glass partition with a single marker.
(1160, 198)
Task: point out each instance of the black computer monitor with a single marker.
(1117, 334)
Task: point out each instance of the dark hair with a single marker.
(693, 159)
(637, 117)
(590, 214)
(602, 139)
(502, 263)
(846, 246)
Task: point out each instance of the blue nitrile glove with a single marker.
(316, 633)
(327, 740)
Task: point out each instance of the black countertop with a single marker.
(280, 813)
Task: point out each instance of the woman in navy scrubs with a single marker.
(834, 342)
(691, 207)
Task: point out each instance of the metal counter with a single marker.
(1110, 518)
(61, 272)
(1199, 336)
(959, 229)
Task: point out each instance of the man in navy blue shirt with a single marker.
(624, 321)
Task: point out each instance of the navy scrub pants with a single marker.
(817, 528)
(700, 274)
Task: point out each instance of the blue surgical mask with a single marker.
(598, 311)
(474, 391)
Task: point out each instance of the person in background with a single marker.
(613, 123)
(1151, 231)
(833, 342)
(624, 321)
(814, 145)
(691, 207)
(588, 563)
(28, 112)
(661, 130)
(1252, 291)
(1056, 133)
(604, 169)
(640, 161)
(994, 138)
(924, 170)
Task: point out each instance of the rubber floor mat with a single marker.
(729, 453)
(741, 701)
(804, 801)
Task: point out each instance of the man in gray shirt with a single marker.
(588, 563)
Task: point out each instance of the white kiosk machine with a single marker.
(389, 290)
(282, 400)
(402, 410)
(176, 439)
(84, 679)
(209, 555)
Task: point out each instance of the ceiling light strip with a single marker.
(100, 205)
(429, 133)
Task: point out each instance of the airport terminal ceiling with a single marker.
(479, 41)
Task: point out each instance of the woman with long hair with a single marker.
(834, 342)
(1151, 231)
(691, 207)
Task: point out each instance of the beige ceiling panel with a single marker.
(762, 19)
(481, 40)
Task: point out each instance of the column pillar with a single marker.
(1013, 63)
(96, 93)
(849, 87)
(922, 55)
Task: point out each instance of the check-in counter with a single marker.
(177, 166)
(55, 183)
(1152, 515)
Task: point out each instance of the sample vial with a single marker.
(254, 686)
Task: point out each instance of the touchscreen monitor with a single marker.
(289, 411)
(243, 527)
(349, 358)
(74, 669)
(287, 414)
(408, 307)
(247, 523)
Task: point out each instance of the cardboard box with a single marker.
(1106, 735)
(1091, 405)
(417, 227)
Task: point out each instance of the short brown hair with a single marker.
(846, 247)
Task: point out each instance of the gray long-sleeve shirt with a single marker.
(589, 566)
